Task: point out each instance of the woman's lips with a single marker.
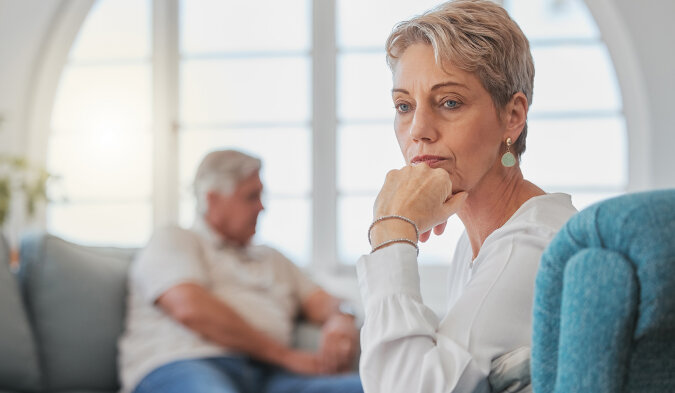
(432, 161)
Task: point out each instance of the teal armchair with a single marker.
(604, 307)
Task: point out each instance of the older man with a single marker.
(209, 312)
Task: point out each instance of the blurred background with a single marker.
(119, 99)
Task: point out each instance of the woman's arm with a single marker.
(405, 348)
(402, 350)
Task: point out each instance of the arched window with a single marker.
(304, 85)
(100, 141)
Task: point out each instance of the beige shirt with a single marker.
(258, 282)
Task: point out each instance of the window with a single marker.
(578, 141)
(304, 85)
(244, 83)
(101, 142)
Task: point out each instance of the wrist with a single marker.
(392, 229)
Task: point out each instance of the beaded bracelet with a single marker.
(406, 219)
(401, 240)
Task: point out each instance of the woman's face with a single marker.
(446, 119)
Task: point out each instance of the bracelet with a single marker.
(401, 240)
(406, 219)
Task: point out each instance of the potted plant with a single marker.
(20, 182)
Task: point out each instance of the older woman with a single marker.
(462, 86)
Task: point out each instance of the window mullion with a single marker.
(165, 59)
(324, 119)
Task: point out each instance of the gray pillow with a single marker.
(76, 297)
(19, 367)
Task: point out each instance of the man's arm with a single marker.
(339, 336)
(197, 309)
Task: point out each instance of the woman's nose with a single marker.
(422, 127)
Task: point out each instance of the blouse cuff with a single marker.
(389, 271)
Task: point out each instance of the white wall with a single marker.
(651, 28)
(23, 29)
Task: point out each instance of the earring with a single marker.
(508, 159)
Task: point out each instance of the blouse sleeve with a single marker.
(406, 348)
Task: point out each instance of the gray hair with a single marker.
(222, 171)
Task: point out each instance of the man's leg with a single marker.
(285, 382)
(209, 375)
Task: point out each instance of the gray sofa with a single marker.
(61, 315)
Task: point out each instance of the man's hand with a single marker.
(339, 344)
(301, 362)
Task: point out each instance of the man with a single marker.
(209, 312)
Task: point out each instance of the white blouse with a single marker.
(405, 348)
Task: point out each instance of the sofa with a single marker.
(62, 313)
(64, 317)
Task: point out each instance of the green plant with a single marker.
(19, 177)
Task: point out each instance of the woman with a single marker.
(463, 77)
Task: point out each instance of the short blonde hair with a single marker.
(477, 36)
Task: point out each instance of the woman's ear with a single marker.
(516, 115)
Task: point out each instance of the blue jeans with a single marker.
(240, 374)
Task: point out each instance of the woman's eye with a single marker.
(451, 104)
(403, 107)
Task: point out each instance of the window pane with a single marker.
(209, 26)
(103, 99)
(576, 153)
(582, 200)
(355, 215)
(114, 29)
(245, 90)
(123, 224)
(365, 154)
(364, 87)
(366, 24)
(284, 225)
(99, 166)
(553, 19)
(438, 250)
(285, 153)
(187, 208)
(574, 78)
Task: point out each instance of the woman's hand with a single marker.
(419, 193)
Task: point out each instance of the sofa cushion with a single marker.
(19, 367)
(75, 296)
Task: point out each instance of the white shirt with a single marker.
(258, 282)
(405, 348)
